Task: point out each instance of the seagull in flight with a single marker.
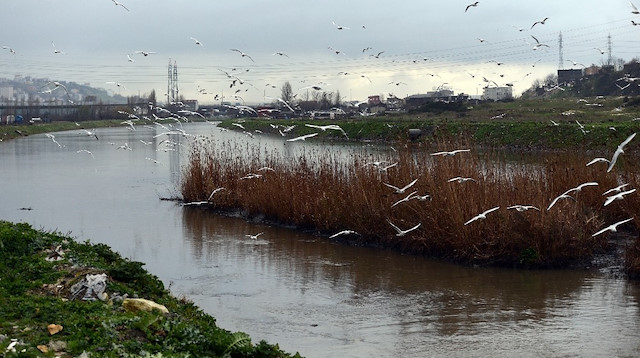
(9, 49)
(405, 199)
(522, 208)
(196, 41)
(254, 237)
(304, 137)
(214, 192)
(612, 228)
(541, 22)
(579, 187)
(460, 180)
(538, 43)
(482, 215)
(343, 232)
(400, 232)
(403, 189)
(243, 54)
(57, 85)
(55, 50)
(280, 54)
(619, 151)
(598, 160)
(334, 127)
(634, 9)
(453, 152)
(119, 4)
(562, 196)
(145, 53)
(615, 190)
(339, 27)
(85, 151)
(471, 5)
(619, 196)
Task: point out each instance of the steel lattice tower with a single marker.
(172, 84)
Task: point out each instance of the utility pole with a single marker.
(609, 59)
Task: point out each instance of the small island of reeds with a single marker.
(327, 193)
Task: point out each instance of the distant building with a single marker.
(442, 95)
(374, 100)
(568, 76)
(6, 92)
(497, 93)
(190, 104)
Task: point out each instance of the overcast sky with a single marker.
(426, 44)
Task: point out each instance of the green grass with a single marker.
(526, 124)
(34, 292)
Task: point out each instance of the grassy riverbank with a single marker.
(44, 315)
(326, 195)
(522, 124)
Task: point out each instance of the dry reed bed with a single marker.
(328, 193)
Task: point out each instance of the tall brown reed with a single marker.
(328, 193)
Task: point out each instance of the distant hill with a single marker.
(26, 89)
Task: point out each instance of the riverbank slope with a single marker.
(60, 297)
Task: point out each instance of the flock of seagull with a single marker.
(612, 195)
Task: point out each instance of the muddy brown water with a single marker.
(303, 292)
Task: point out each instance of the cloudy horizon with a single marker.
(401, 49)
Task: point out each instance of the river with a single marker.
(303, 292)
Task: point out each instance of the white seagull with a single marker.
(55, 50)
(598, 160)
(304, 137)
(196, 41)
(407, 198)
(400, 232)
(541, 22)
(562, 196)
(634, 9)
(343, 232)
(254, 237)
(453, 152)
(10, 49)
(214, 192)
(613, 227)
(522, 208)
(579, 187)
(339, 27)
(538, 43)
(619, 196)
(334, 127)
(146, 53)
(403, 189)
(85, 151)
(482, 215)
(460, 180)
(243, 54)
(615, 190)
(619, 151)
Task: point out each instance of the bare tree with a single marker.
(286, 92)
(338, 99)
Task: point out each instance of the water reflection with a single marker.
(358, 295)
